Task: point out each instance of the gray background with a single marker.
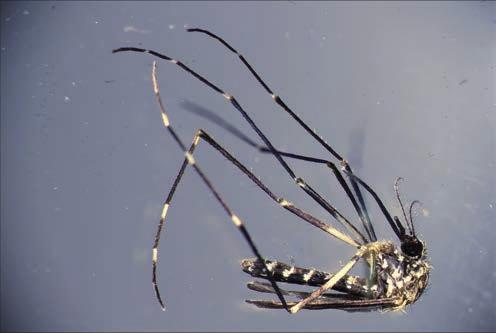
(400, 89)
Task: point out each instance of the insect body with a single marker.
(400, 280)
(398, 276)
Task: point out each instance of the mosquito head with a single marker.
(412, 247)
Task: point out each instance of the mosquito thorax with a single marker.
(412, 247)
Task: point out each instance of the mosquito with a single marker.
(397, 275)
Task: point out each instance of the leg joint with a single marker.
(300, 182)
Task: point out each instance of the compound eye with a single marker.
(412, 248)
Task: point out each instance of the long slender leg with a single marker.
(342, 301)
(332, 281)
(237, 133)
(201, 134)
(189, 160)
(263, 287)
(219, 121)
(299, 181)
(366, 221)
(379, 202)
(346, 305)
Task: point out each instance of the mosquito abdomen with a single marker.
(283, 272)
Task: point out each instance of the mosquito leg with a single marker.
(299, 181)
(240, 135)
(219, 121)
(284, 203)
(359, 305)
(263, 287)
(189, 160)
(283, 105)
(332, 281)
(281, 201)
(324, 301)
(378, 201)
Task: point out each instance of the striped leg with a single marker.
(237, 133)
(363, 209)
(231, 99)
(209, 115)
(190, 160)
